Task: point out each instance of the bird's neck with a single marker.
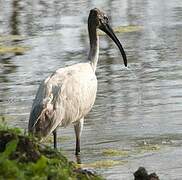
(94, 46)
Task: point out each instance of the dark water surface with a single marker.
(138, 110)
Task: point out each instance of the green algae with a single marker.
(13, 49)
(114, 152)
(127, 29)
(9, 45)
(147, 147)
(124, 29)
(102, 164)
(150, 147)
(11, 38)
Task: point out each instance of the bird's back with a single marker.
(63, 98)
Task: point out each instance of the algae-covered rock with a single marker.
(23, 157)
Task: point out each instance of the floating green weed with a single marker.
(11, 38)
(149, 148)
(5, 48)
(13, 49)
(114, 152)
(103, 164)
(125, 29)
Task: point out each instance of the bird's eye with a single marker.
(106, 19)
(101, 20)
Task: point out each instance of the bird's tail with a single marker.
(44, 123)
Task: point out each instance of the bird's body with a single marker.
(68, 95)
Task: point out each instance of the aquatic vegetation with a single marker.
(6, 48)
(150, 147)
(114, 152)
(125, 29)
(11, 37)
(102, 164)
(145, 147)
(13, 49)
(22, 157)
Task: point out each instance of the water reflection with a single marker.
(14, 21)
(132, 106)
(7, 68)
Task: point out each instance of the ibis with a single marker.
(67, 95)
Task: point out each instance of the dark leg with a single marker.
(78, 159)
(78, 130)
(55, 139)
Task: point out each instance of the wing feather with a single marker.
(63, 98)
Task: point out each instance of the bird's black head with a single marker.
(97, 17)
(99, 20)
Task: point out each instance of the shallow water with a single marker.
(136, 110)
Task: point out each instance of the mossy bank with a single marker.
(22, 157)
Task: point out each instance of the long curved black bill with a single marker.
(108, 30)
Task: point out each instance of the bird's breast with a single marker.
(77, 94)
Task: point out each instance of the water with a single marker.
(134, 107)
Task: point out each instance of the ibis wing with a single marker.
(63, 98)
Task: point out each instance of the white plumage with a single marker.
(66, 96)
